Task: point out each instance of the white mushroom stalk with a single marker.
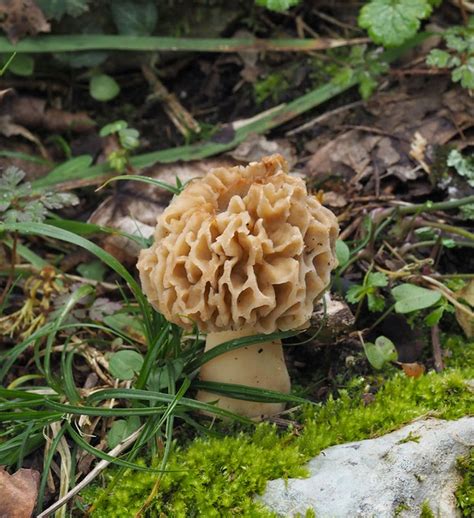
(244, 250)
(259, 365)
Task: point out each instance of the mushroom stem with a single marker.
(260, 365)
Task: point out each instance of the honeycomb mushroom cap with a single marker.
(242, 248)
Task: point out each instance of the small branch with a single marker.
(450, 229)
(433, 207)
(180, 117)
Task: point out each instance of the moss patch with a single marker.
(465, 492)
(218, 477)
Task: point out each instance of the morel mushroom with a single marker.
(244, 250)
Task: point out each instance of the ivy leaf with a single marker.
(410, 297)
(58, 8)
(134, 18)
(125, 364)
(121, 429)
(380, 353)
(392, 22)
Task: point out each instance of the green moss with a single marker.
(426, 511)
(465, 492)
(218, 477)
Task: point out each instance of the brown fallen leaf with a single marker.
(413, 370)
(19, 18)
(18, 493)
(9, 129)
(33, 112)
(467, 323)
(384, 147)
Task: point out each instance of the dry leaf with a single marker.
(32, 112)
(20, 18)
(18, 493)
(383, 148)
(467, 323)
(413, 370)
(255, 147)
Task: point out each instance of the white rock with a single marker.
(383, 477)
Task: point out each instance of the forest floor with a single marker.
(78, 341)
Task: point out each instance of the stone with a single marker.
(392, 475)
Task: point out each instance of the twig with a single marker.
(437, 352)
(449, 295)
(323, 117)
(115, 452)
(180, 117)
(450, 229)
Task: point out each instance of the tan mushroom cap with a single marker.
(242, 248)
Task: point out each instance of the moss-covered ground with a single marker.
(219, 476)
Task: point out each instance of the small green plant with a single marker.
(365, 66)
(380, 353)
(127, 140)
(464, 166)
(19, 203)
(273, 86)
(426, 511)
(370, 290)
(459, 56)
(392, 22)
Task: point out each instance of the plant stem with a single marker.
(433, 207)
(437, 352)
(448, 228)
(80, 42)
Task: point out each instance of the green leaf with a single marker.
(380, 353)
(438, 58)
(375, 302)
(410, 297)
(355, 293)
(392, 22)
(103, 88)
(342, 252)
(94, 270)
(125, 364)
(121, 429)
(378, 279)
(160, 377)
(463, 166)
(277, 5)
(136, 18)
(113, 127)
(67, 169)
(58, 8)
(434, 317)
(22, 65)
